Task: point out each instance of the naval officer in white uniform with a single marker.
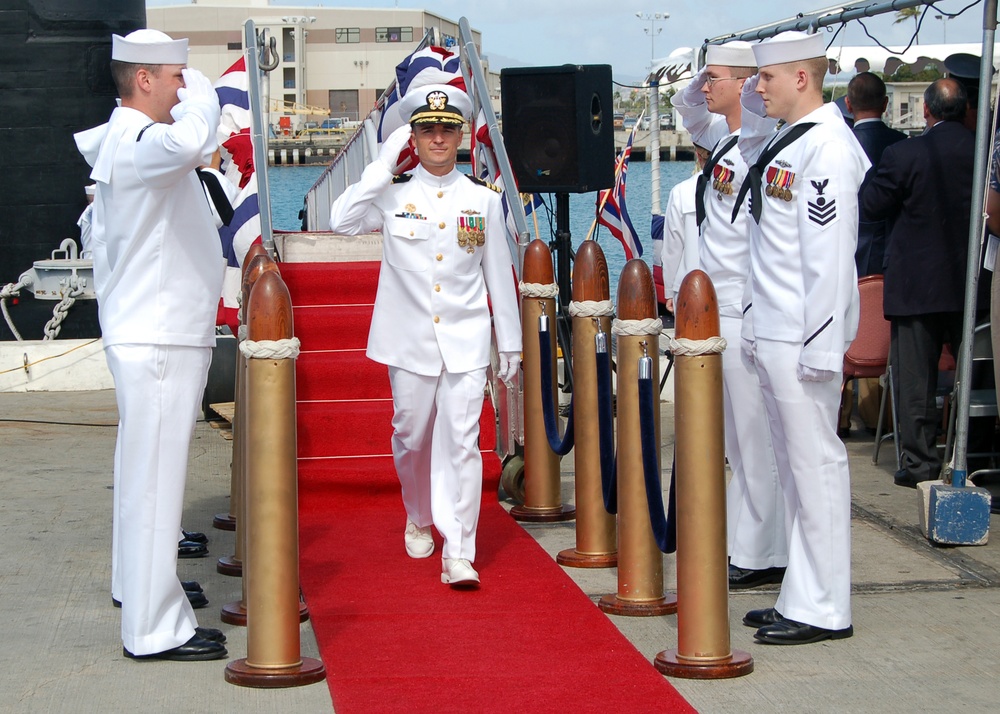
(801, 308)
(710, 110)
(158, 274)
(444, 249)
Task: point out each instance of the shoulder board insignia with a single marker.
(143, 131)
(487, 184)
(402, 178)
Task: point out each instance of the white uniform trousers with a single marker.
(158, 389)
(812, 466)
(754, 505)
(435, 447)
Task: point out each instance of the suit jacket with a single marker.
(875, 137)
(924, 184)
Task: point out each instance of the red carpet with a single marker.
(392, 637)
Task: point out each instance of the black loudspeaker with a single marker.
(558, 127)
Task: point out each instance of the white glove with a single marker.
(509, 362)
(748, 353)
(389, 152)
(691, 95)
(196, 86)
(749, 98)
(810, 374)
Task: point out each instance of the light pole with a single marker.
(652, 18)
(944, 26)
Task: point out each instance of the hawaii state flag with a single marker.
(237, 164)
(611, 210)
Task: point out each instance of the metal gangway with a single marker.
(362, 149)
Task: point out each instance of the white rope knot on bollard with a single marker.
(693, 348)
(646, 326)
(591, 308)
(271, 349)
(538, 290)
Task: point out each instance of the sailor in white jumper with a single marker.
(801, 310)
(158, 271)
(444, 249)
(711, 112)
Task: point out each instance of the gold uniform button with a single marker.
(411, 233)
(440, 194)
(439, 256)
(442, 224)
(437, 288)
(437, 319)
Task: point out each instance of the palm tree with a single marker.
(906, 14)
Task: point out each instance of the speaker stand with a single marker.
(563, 250)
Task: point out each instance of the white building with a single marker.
(331, 58)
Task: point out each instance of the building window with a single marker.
(234, 45)
(394, 34)
(349, 34)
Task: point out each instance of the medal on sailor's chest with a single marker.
(723, 181)
(471, 230)
(779, 183)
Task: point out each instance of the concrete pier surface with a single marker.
(925, 639)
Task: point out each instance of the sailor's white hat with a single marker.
(789, 46)
(732, 54)
(149, 47)
(90, 189)
(435, 104)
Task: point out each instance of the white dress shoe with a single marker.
(419, 541)
(458, 572)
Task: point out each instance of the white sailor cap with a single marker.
(732, 54)
(436, 104)
(789, 46)
(149, 47)
(90, 189)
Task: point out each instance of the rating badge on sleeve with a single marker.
(471, 232)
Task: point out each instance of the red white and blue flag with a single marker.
(238, 166)
(431, 65)
(611, 210)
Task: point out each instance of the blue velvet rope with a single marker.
(606, 429)
(651, 467)
(560, 446)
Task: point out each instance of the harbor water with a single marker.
(289, 185)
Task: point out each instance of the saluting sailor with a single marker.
(158, 272)
(801, 309)
(444, 250)
(711, 112)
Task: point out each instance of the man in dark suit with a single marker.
(924, 185)
(867, 100)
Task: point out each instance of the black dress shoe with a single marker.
(906, 479)
(760, 618)
(197, 649)
(211, 634)
(743, 578)
(195, 536)
(197, 600)
(191, 586)
(190, 549)
(790, 632)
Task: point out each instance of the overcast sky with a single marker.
(551, 32)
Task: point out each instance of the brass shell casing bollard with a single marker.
(703, 638)
(640, 562)
(596, 537)
(227, 521)
(271, 505)
(542, 487)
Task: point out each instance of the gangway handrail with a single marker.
(258, 134)
(472, 65)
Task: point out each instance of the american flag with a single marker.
(611, 210)
(237, 164)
